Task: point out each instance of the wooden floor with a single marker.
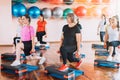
(90, 72)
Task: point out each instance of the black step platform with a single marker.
(105, 63)
(98, 46)
(69, 74)
(19, 70)
(11, 56)
(101, 53)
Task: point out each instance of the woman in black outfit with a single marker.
(70, 42)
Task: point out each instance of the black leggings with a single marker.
(27, 47)
(102, 34)
(114, 44)
(40, 37)
(67, 53)
(16, 40)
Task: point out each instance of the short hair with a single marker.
(73, 17)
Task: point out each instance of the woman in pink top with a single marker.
(27, 40)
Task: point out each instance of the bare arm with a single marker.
(106, 38)
(61, 40)
(78, 39)
(33, 44)
(98, 29)
(46, 31)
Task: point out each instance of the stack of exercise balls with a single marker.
(19, 9)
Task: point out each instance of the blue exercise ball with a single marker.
(32, 1)
(46, 12)
(18, 10)
(57, 12)
(34, 12)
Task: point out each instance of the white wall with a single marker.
(6, 28)
(54, 26)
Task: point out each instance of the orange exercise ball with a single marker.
(80, 11)
(96, 1)
(89, 12)
(96, 11)
(84, 1)
(56, 1)
(106, 1)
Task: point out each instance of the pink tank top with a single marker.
(27, 33)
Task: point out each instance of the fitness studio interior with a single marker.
(59, 40)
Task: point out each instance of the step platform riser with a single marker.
(69, 74)
(105, 63)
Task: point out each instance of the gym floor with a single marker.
(90, 72)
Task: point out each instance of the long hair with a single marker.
(117, 18)
(28, 17)
(42, 17)
(104, 19)
(118, 25)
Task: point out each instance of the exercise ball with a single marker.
(46, 12)
(83, 1)
(89, 12)
(96, 1)
(45, 0)
(17, 0)
(32, 1)
(80, 11)
(34, 12)
(18, 10)
(106, 1)
(96, 11)
(56, 1)
(107, 11)
(66, 11)
(57, 12)
(68, 2)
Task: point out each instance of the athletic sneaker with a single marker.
(47, 45)
(110, 58)
(116, 58)
(63, 68)
(38, 44)
(16, 63)
(78, 64)
(42, 60)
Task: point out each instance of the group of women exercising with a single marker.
(110, 35)
(70, 39)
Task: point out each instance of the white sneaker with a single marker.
(116, 58)
(38, 44)
(110, 58)
(16, 63)
(42, 60)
